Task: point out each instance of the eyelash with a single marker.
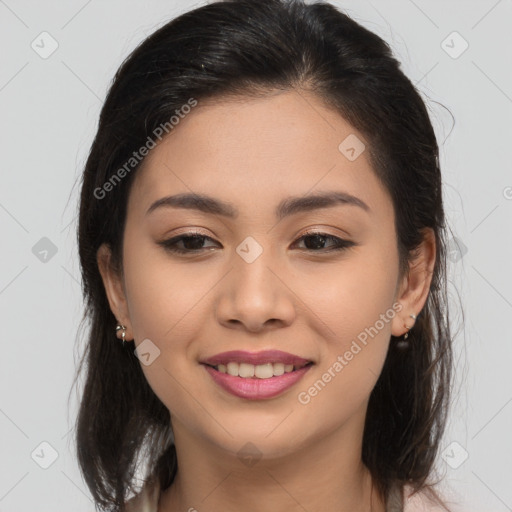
(170, 245)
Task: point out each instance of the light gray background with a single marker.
(49, 112)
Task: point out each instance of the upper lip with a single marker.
(256, 358)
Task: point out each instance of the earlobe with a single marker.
(416, 285)
(112, 281)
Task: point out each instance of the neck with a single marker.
(319, 477)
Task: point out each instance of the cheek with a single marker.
(165, 300)
(356, 304)
(161, 293)
(351, 294)
(352, 360)
(159, 299)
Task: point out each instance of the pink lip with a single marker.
(255, 388)
(255, 358)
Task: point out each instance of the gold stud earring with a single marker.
(409, 328)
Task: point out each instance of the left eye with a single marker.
(339, 243)
(193, 243)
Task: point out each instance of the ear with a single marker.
(114, 288)
(415, 285)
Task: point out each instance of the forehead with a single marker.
(250, 150)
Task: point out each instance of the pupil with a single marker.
(191, 240)
(317, 245)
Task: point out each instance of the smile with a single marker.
(267, 380)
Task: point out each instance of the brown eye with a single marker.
(314, 242)
(192, 243)
(318, 240)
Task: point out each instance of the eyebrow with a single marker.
(287, 207)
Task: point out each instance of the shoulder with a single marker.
(145, 501)
(419, 501)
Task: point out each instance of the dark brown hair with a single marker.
(254, 47)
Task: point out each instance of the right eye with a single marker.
(192, 243)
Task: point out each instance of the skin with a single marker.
(294, 297)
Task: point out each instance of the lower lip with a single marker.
(254, 388)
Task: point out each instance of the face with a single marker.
(320, 283)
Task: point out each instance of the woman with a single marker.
(261, 225)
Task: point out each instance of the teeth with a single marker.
(261, 371)
(246, 370)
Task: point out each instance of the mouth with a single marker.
(257, 365)
(257, 382)
(261, 371)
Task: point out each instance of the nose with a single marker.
(254, 297)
